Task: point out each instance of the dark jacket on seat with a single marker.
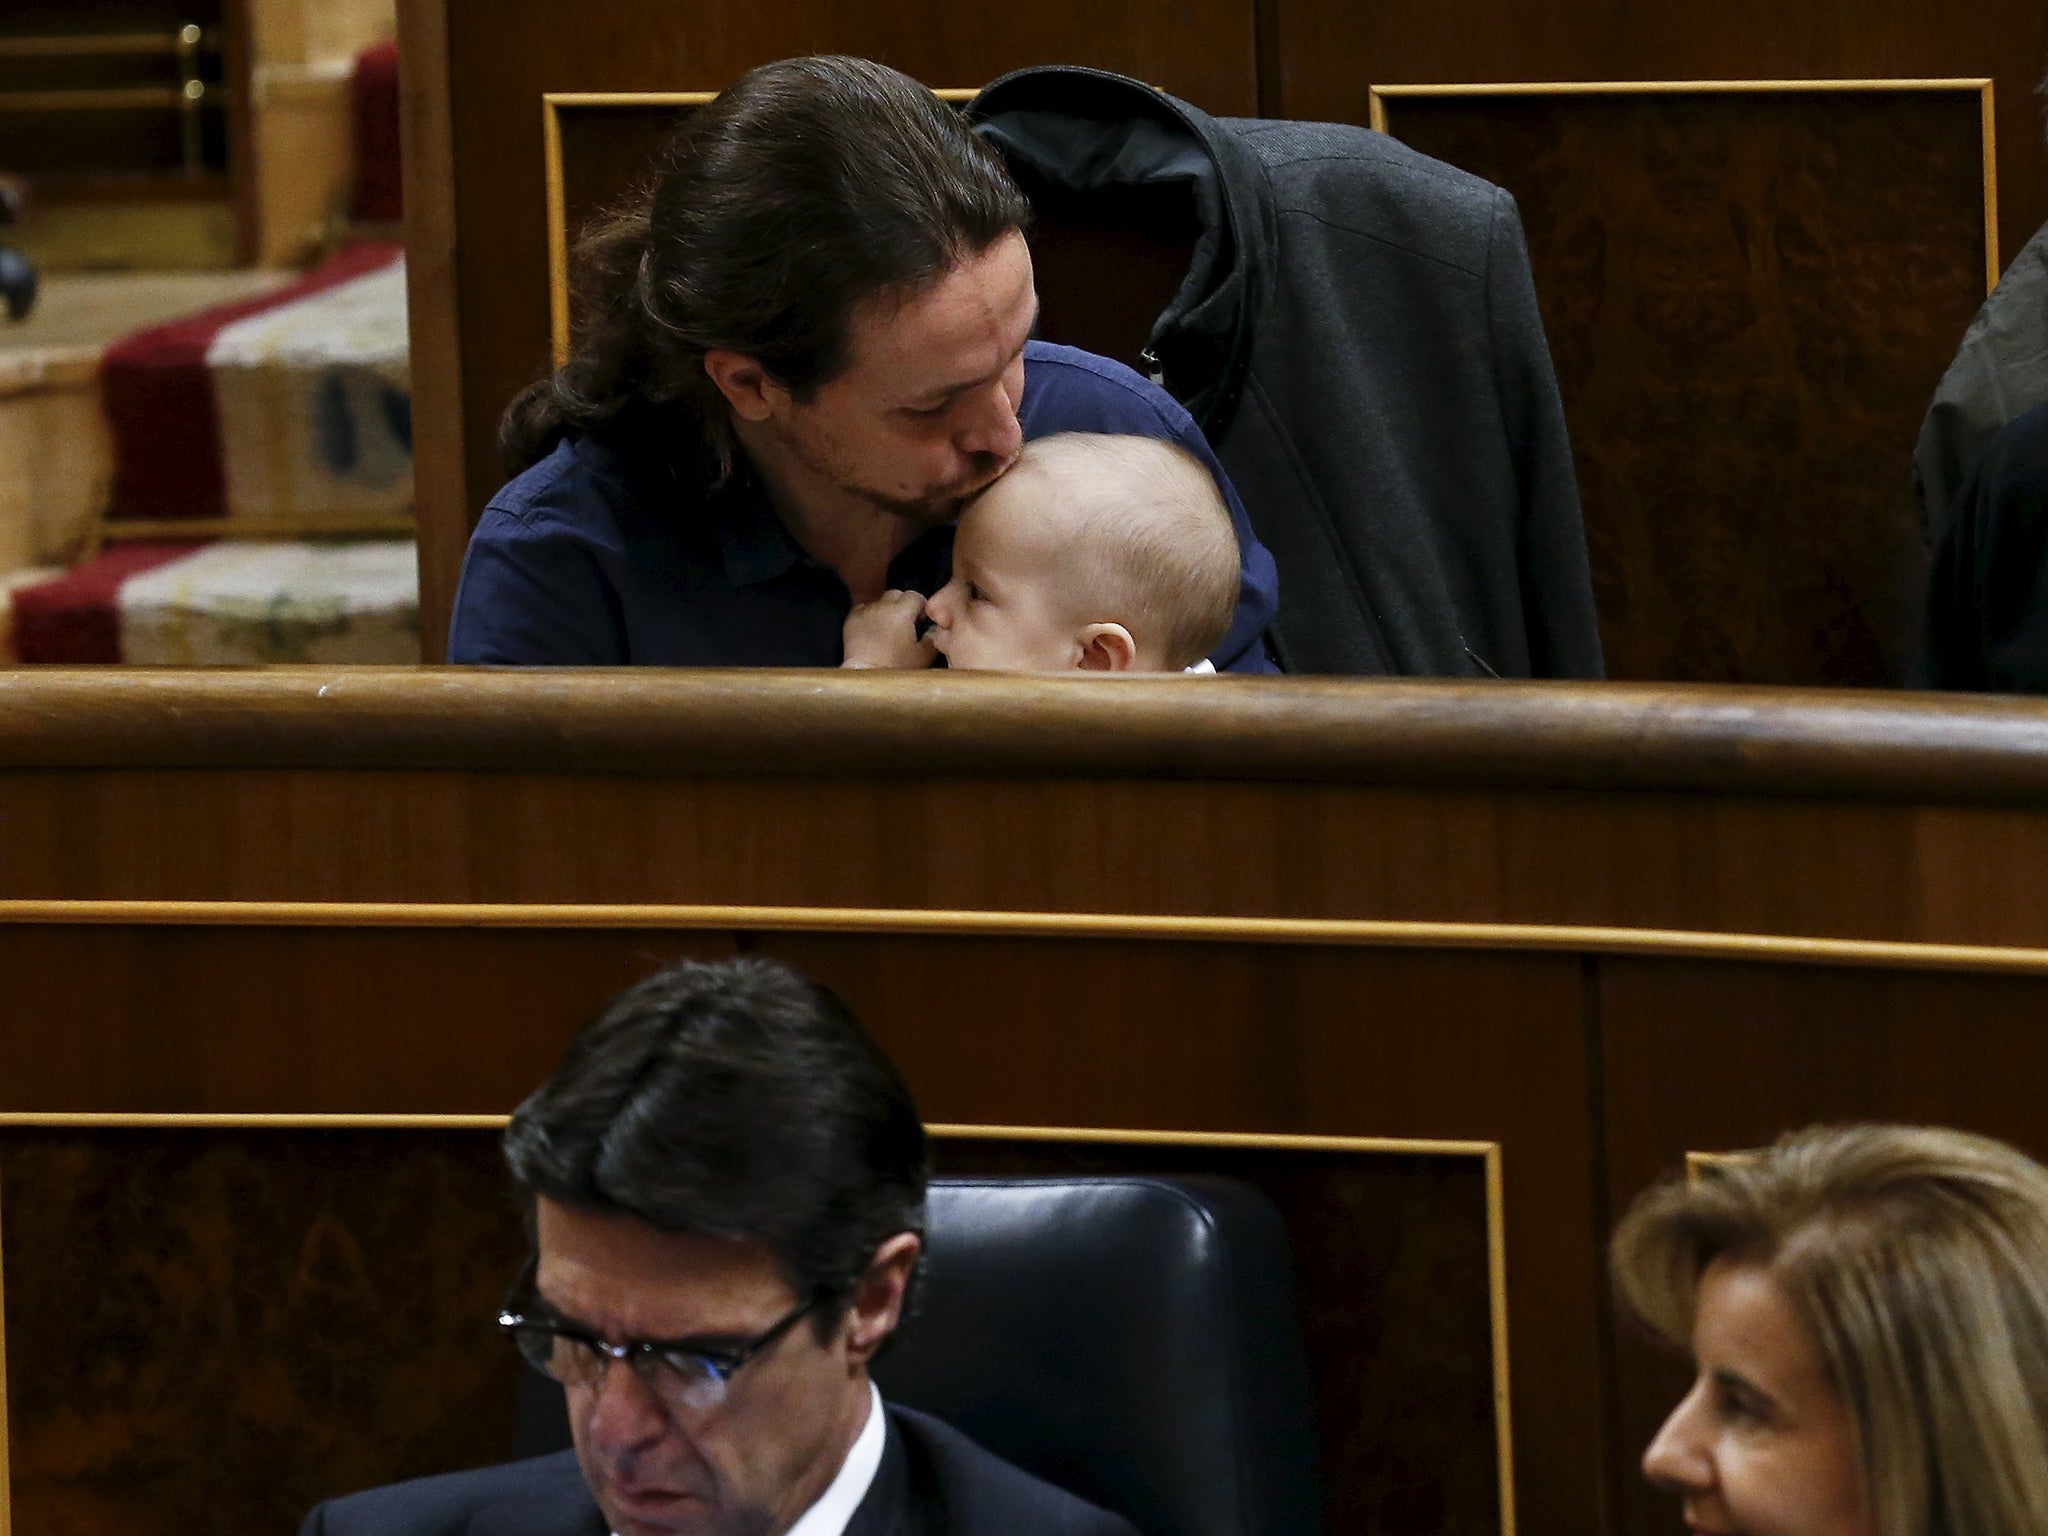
(933, 1481)
(1358, 337)
(1987, 593)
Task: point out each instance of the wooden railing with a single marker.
(1597, 927)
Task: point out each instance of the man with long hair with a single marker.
(798, 353)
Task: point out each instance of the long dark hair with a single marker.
(805, 188)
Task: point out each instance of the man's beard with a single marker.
(926, 512)
(931, 510)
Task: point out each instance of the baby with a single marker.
(1094, 554)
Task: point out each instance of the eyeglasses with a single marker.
(683, 1375)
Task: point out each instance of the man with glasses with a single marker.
(726, 1181)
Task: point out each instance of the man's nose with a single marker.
(623, 1414)
(1677, 1459)
(991, 427)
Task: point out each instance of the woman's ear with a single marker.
(743, 381)
(1107, 648)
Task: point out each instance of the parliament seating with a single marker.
(1471, 962)
(319, 1295)
(1467, 964)
(1756, 244)
(1132, 1340)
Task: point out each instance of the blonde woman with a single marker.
(1867, 1308)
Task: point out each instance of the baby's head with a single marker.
(1095, 553)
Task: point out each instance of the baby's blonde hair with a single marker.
(1918, 1259)
(1162, 555)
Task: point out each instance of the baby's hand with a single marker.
(884, 633)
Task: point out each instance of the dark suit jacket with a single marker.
(933, 1481)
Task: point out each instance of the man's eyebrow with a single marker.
(945, 392)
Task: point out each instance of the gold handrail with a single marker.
(91, 44)
(113, 98)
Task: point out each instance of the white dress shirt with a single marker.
(834, 1510)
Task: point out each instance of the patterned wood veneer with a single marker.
(210, 1329)
(1750, 298)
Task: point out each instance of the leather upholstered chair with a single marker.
(1131, 1339)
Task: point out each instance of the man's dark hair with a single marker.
(736, 1100)
(804, 189)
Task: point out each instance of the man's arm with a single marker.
(1243, 647)
(533, 597)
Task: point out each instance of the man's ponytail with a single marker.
(804, 190)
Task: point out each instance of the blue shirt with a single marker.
(587, 559)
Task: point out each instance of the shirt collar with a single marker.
(835, 1508)
(753, 545)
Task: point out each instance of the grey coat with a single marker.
(1358, 337)
(2000, 373)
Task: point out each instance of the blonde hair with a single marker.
(1918, 1258)
(1161, 555)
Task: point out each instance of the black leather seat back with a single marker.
(1132, 1339)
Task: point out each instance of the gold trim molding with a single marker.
(333, 525)
(1488, 1152)
(552, 104)
(1377, 97)
(1362, 933)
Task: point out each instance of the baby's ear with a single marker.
(1107, 648)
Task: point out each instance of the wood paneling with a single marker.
(434, 315)
(1750, 298)
(1389, 1255)
(501, 59)
(1776, 549)
(1936, 874)
(1334, 1043)
(1329, 52)
(1943, 875)
(280, 1315)
(260, 1020)
(210, 1331)
(1727, 811)
(1103, 275)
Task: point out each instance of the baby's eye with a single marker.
(975, 594)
